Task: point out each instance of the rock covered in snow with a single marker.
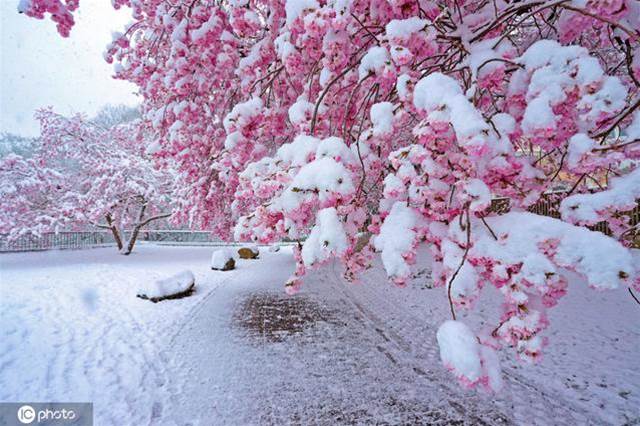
(223, 260)
(174, 287)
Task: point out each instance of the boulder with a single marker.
(248, 252)
(223, 260)
(175, 287)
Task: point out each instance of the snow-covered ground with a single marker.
(239, 351)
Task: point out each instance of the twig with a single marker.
(464, 259)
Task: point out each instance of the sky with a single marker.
(40, 68)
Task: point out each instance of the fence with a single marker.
(89, 239)
(180, 237)
(60, 240)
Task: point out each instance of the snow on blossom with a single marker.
(403, 28)
(477, 193)
(324, 178)
(438, 90)
(300, 151)
(435, 91)
(374, 62)
(242, 113)
(471, 362)
(579, 145)
(327, 238)
(462, 278)
(397, 239)
(334, 147)
(300, 112)
(382, 118)
(521, 233)
(295, 8)
(555, 72)
(622, 195)
(460, 351)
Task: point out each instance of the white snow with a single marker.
(579, 145)
(298, 152)
(434, 91)
(334, 147)
(539, 115)
(327, 238)
(220, 257)
(477, 193)
(324, 176)
(459, 350)
(402, 86)
(441, 96)
(622, 195)
(242, 113)
(633, 129)
(300, 111)
(198, 33)
(404, 28)
(374, 61)
(174, 284)
(401, 221)
(579, 249)
(382, 118)
(295, 8)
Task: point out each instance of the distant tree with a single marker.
(84, 173)
(112, 115)
(16, 144)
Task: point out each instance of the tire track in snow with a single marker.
(399, 352)
(530, 403)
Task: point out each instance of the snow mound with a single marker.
(174, 287)
(223, 260)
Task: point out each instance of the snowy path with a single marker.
(242, 352)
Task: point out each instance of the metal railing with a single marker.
(90, 239)
(59, 240)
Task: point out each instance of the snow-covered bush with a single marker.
(382, 125)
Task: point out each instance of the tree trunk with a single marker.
(114, 230)
(138, 226)
(132, 240)
(135, 231)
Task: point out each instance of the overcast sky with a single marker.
(40, 68)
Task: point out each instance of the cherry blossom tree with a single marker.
(381, 126)
(82, 174)
(34, 200)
